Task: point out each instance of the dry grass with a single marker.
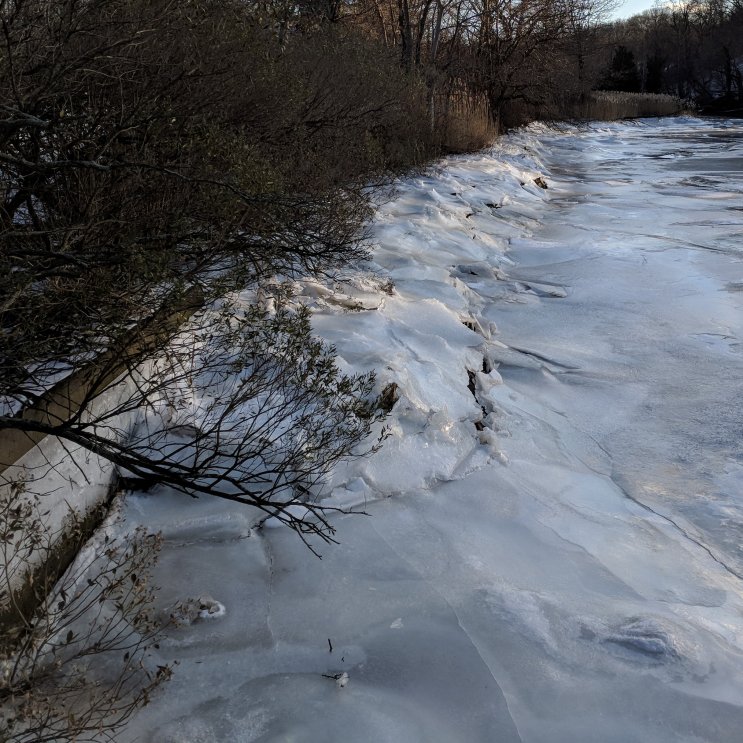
(467, 122)
(610, 105)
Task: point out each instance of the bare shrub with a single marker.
(243, 404)
(157, 155)
(74, 656)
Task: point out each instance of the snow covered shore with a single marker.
(550, 552)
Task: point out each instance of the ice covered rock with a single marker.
(197, 609)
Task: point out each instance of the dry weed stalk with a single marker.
(74, 657)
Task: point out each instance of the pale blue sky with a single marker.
(632, 7)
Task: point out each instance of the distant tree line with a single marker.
(526, 58)
(693, 49)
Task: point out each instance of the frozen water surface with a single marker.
(556, 557)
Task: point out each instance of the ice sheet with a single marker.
(552, 551)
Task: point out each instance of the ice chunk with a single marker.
(192, 610)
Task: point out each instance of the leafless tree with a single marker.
(689, 49)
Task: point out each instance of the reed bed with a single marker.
(465, 121)
(608, 105)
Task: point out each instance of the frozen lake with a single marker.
(554, 543)
(647, 234)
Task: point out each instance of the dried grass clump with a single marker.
(608, 105)
(468, 123)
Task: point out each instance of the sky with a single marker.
(632, 7)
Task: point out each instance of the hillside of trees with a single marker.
(690, 49)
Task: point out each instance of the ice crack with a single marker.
(270, 587)
(684, 532)
(469, 637)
